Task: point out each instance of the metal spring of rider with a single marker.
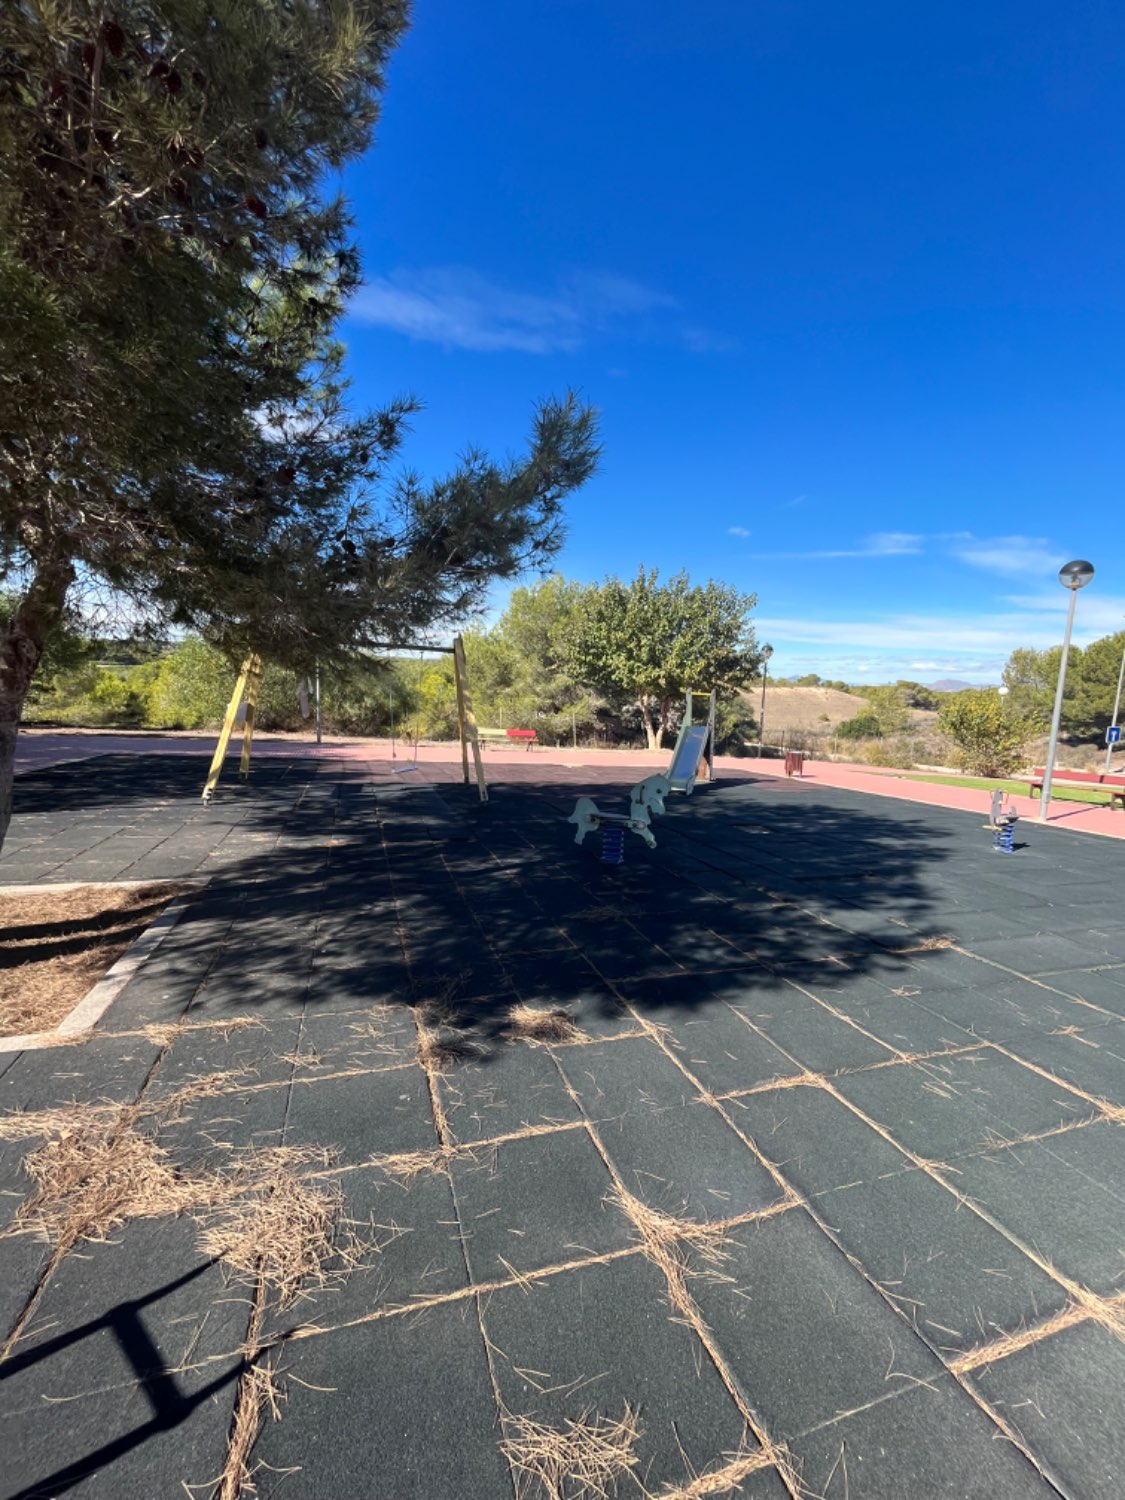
(613, 844)
(1003, 841)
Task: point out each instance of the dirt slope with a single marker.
(801, 707)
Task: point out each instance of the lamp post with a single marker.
(1116, 706)
(1073, 576)
(767, 652)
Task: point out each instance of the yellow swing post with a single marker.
(225, 733)
(253, 684)
(466, 717)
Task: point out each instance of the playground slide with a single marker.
(686, 757)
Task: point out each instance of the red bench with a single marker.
(525, 737)
(1095, 780)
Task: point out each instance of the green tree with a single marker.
(1092, 695)
(646, 643)
(174, 424)
(521, 668)
(888, 704)
(191, 687)
(990, 736)
(1031, 678)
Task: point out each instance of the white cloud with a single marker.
(881, 544)
(737, 531)
(461, 309)
(1101, 614)
(1011, 556)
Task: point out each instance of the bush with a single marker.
(878, 754)
(864, 726)
(735, 726)
(990, 738)
(192, 687)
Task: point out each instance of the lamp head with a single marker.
(1076, 575)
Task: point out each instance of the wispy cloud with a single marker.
(461, 309)
(925, 634)
(881, 544)
(1010, 556)
(1102, 614)
(737, 531)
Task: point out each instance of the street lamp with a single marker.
(1116, 706)
(767, 652)
(1073, 576)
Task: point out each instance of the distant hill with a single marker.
(818, 709)
(949, 685)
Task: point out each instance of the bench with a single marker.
(526, 737)
(1095, 780)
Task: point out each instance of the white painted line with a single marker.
(96, 1001)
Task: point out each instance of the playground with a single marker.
(430, 1154)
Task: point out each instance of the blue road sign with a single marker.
(1113, 734)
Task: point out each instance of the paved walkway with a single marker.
(783, 1160)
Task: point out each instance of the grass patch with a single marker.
(56, 946)
(1015, 788)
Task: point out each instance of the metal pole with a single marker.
(318, 703)
(1116, 706)
(762, 712)
(1056, 717)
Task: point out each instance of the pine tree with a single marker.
(174, 424)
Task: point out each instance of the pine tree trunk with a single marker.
(21, 649)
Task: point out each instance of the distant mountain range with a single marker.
(949, 685)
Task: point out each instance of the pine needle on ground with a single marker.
(443, 1039)
(530, 1024)
(265, 1213)
(581, 1460)
(57, 946)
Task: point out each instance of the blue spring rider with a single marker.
(1003, 823)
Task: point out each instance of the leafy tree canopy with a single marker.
(650, 642)
(1088, 695)
(991, 736)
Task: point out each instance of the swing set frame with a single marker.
(249, 682)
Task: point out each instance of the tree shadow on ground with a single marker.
(341, 888)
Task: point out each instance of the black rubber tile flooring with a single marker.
(429, 1157)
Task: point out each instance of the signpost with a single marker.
(1113, 734)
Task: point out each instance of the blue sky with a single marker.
(846, 281)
